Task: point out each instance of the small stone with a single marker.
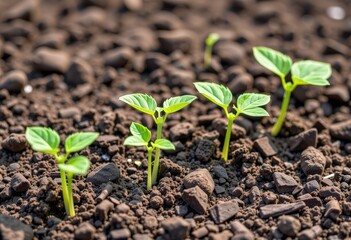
(202, 178)
(26, 10)
(205, 150)
(50, 60)
(284, 183)
(332, 209)
(220, 172)
(15, 143)
(341, 131)
(240, 231)
(69, 112)
(219, 189)
(103, 174)
(226, 234)
(119, 57)
(254, 194)
(102, 210)
(79, 72)
(311, 186)
(168, 166)
(16, 225)
(120, 234)
(8, 234)
(336, 12)
(224, 211)
(229, 53)
(220, 125)
(311, 233)
(85, 231)
(122, 208)
(181, 132)
(331, 191)
(14, 81)
(239, 83)
(150, 222)
(289, 225)
(265, 147)
(303, 140)
(196, 198)
(19, 183)
(182, 40)
(275, 210)
(338, 93)
(177, 227)
(312, 161)
(181, 210)
(200, 233)
(310, 201)
(156, 202)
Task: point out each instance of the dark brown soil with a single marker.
(63, 64)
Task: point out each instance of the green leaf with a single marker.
(212, 39)
(78, 141)
(43, 139)
(140, 131)
(134, 141)
(78, 165)
(256, 112)
(250, 104)
(311, 72)
(273, 60)
(175, 104)
(164, 144)
(216, 93)
(141, 102)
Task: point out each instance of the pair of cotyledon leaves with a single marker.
(47, 140)
(302, 72)
(141, 136)
(148, 105)
(247, 103)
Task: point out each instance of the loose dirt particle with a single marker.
(312, 161)
(181, 40)
(177, 227)
(19, 183)
(102, 210)
(79, 72)
(265, 147)
(121, 234)
(303, 140)
(14, 81)
(332, 209)
(284, 183)
(341, 131)
(103, 174)
(224, 211)
(16, 225)
(202, 178)
(181, 132)
(196, 199)
(15, 143)
(205, 150)
(311, 233)
(119, 57)
(331, 191)
(275, 210)
(85, 231)
(49, 60)
(289, 225)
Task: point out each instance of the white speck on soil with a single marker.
(28, 89)
(336, 12)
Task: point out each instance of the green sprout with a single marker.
(210, 41)
(305, 72)
(46, 140)
(147, 104)
(249, 104)
(141, 136)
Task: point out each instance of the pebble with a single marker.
(332, 209)
(79, 72)
(168, 166)
(240, 231)
(119, 57)
(219, 189)
(19, 183)
(14, 81)
(204, 151)
(336, 12)
(181, 132)
(338, 93)
(239, 83)
(201, 178)
(220, 172)
(196, 198)
(265, 147)
(311, 233)
(103, 174)
(150, 222)
(289, 226)
(312, 161)
(220, 125)
(200, 233)
(102, 210)
(26, 10)
(50, 60)
(120, 234)
(224, 211)
(15, 143)
(341, 130)
(85, 231)
(181, 210)
(311, 186)
(16, 225)
(156, 202)
(254, 194)
(303, 140)
(284, 183)
(181, 40)
(177, 227)
(69, 112)
(331, 191)
(275, 210)
(229, 53)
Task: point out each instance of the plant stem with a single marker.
(70, 192)
(149, 169)
(64, 191)
(207, 56)
(157, 153)
(278, 125)
(231, 117)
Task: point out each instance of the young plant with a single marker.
(210, 41)
(141, 136)
(249, 104)
(46, 140)
(305, 72)
(147, 104)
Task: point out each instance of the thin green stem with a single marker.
(70, 192)
(278, 125)
(149, 168)
(207, 56)
(64, 191)
(231, 118)
(157, 153)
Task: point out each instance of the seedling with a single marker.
(249, 104)
(46, 140)
(147, 104)
(305, 72)
(210, 41)
(141, 136)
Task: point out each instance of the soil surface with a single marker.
(63, 64)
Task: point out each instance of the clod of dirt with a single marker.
(52, 39)
(120, 234)
(303, 140)
(240, 83)
(332, 209)
(7, 233)
(229, 53)
(341, 130)
(312, 161)
(224, 211)
(26, 10)
(14, 81)
(220, 172)
(311, 186)
(181, 40)
(240, 231)
(177, 228)
(17, 29)
(202, 178)
(156, 202)
(85, 231)
(284, 183)
(311, 233)
(168, 166)
(119, 57)
(19, 183)
(79, 72)
(15, 143)
(102, 210)
(50, 60)
(275, 210)
(200, 233)
(69, 112)
(220, 124)
(205, 150)
(338, 93)
(289, 225)
(196, 199)
(181, 132)
(103, 174)
(265, 147)
(310, 201)
(331, 191)
(16, 225)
